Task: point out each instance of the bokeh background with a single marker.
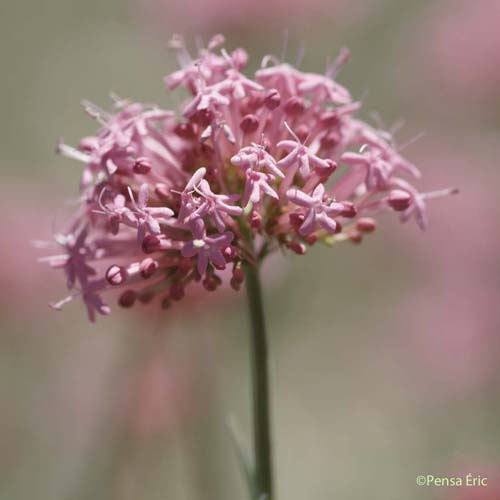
(385, 356)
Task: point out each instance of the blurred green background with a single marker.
(385, 356)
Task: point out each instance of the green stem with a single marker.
(260, 382)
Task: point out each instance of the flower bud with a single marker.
(356, 237)
(176, 291)
(163, 192)
(399, 200)
(295, 106)
(229, 253)
(235, 285)
(366, 225)
(185, 131)
(114, 224)
(209, 283)
(116, 275)
(127, 299)
(330, 140)
(302, 132)
(329, 118)
(298, 247)
(311, 239)
(142, 166)
(249, 124)
(150, 243)
(238, 274)
(349, 210)
(272, 99)
(148, 267)
(296, 219)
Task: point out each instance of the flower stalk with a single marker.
(263, 469)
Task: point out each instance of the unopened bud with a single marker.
(295, 106)
(234, 284)
(150, 243)
(249, 124)
(349, 210)
(272, 99)
(238, 275)
(148, 267)
(185, 131)
(209, 284)
(296, 219)
(399, 200)
(142, 166)
(356, 237)
(298, 247)
(127, 299)
(311, 239)
(366, 225)
(116, 275)
(176, 291)
(229, 253)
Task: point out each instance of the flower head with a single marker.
(250, 165)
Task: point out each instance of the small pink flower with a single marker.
(206, 248)
(319, 211)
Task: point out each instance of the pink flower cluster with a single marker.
(249, 166)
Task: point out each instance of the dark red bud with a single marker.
(209, 284)
(142, 166)
(356, 237)
(296, 219)
(272, 99)
(185, 131)
(163, 192)
(311, 239)
(330, 140)
(148, 267)
(114, 224)
(332, 166)
(295, 106)
(399, 200)
(329, 119)
(298, 247)
(249, 124)
(150, 243)
(349, 210)
(229, 253)
(302, 132)
(176, 291)
(166, 303)
(366, 225)
(238, 275)
(127, 299)
(234, 284)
